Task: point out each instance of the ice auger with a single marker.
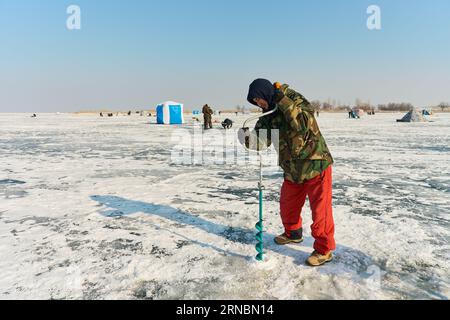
(259, 226)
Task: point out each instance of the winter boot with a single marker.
(316, 259)
(294, 237)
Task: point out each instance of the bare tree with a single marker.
(327, 106)
(343, 107)
(395, 106)
(444, 105)
(316, 104)
(366, 106)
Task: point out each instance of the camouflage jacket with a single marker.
(207, 111)
(302, 150)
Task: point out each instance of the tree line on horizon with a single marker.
(366, 106)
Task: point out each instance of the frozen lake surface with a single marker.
(94, 208)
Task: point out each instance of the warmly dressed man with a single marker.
(207, 116)
(305, 160)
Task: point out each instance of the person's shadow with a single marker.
(117, 207)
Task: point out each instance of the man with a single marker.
(305, 160)
(207, 116)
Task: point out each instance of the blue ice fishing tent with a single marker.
(170, 113)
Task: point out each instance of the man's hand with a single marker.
(278, 96)
(244, 136)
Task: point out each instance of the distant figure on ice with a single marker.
(34, 115)
(101, 114)
(318, 113)
(353, 115)
(129, 113)
(227, 124)
(305, 160)
(207, 116)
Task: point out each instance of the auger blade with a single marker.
(259, 236)
(259, 226)
(259, 247)
(259, 257)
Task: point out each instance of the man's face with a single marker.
(263, 104)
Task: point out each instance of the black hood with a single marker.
(262, 89)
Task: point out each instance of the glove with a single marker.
(278, 96)
(244, 136)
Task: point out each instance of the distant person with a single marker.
(101, 114)
(34, 115)
(237, 113)
(207, 116)
(318, 113)
(129, 113)
(227, 124)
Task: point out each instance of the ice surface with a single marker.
(93, 208)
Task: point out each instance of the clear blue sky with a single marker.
(134, 54)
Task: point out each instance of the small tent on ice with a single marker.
(413, 116)
(427, 112)
(170, 112)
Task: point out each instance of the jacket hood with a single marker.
(262, 89)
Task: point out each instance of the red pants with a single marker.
(319, 192)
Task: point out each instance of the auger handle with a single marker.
(259, 116)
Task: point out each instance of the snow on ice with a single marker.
(94, 208)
